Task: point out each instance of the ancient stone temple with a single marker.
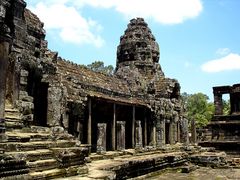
(54, 112)
(224, 130)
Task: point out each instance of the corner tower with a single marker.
(138, 51)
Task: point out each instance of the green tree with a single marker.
(98, 66)
(226, 107)
(198, 108)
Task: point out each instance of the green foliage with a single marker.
(226, 107)
(198, 108)
(98, 66)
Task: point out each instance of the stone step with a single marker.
(40, 154)
(33, 129)
(43, 165)
(11, 108)
(19, 136)
(59, 172)
(13, 117)
(39, 129)
(28, 146)
(12, 112)
(13, 124)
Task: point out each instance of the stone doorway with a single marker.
(12, 84)
(77, 123)
(124, 113)
(40, 105)
(167, 133)
(39, 91)
(102, 113)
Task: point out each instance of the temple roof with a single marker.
(82, 80)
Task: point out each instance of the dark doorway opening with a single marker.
(102, 112)
(124, 113)
(39, 91)
(167, 133)
(40, 104)
(76, 116)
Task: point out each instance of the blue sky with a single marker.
(199, 39)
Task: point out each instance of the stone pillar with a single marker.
(138, 135)
(101, 137)
(171, 134)
(79, 130)
(4, 49)
(89, 131)
(163, 124)
(153, 134)
(5, 41)
(175, 128)
(114, 128)
(184, 131)
(193, 132)
(178, 132)
(133, 126)
(160, 131)
(145, 130)
(121, 135)
(218, 104)
(174, 132)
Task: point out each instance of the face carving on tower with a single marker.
(138, 44)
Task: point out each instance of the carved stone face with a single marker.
(138, 43)
(2, 12)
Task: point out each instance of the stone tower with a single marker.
(138, 53)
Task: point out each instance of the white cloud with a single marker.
(223, 51)
(227, 63)
(68, 21)
(64, 15)
(162, 11)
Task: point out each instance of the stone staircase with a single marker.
(13, 118)
(47, 152)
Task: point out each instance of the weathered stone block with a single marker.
(138, 135)
(101, 137)
(121, 135)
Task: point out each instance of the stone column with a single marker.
(133, 126)
(184, 131)
(175, 128)
(89, 139)
(218, 104)
(101, 137)
(163, 124)
(4, 50)
(79, 130)
(5, 41)
(160, 131)
(138, 135)
(193, 132)
(178, 132)
(174, 132)
(153, 134)
(114, 128)
(145, 129)
(121, 135)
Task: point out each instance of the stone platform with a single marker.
(135, 164)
